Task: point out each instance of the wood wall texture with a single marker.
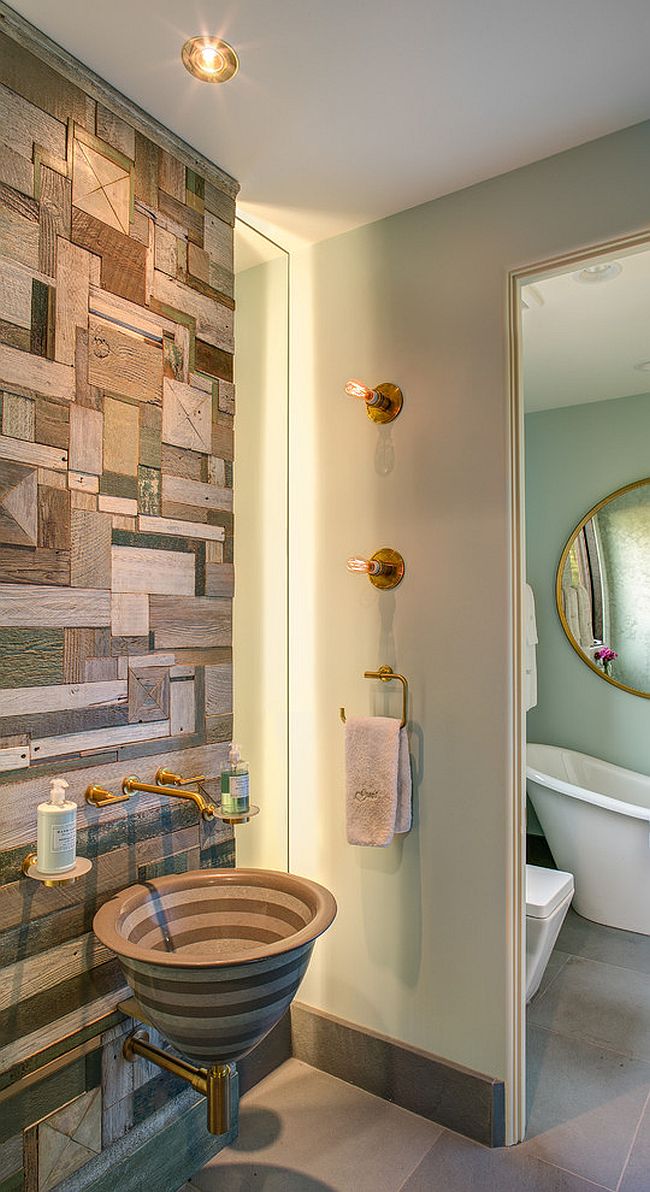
(116, 564)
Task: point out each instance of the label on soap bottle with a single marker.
(63, 837)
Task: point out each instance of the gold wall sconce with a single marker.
(385, 569)
(383, 403)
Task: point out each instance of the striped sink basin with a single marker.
(215, 956)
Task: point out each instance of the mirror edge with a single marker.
(619, 492)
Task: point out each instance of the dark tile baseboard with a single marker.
(459, 1098)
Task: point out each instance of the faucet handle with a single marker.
(98, 797)
(166, 778)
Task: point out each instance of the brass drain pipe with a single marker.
(216, 1084)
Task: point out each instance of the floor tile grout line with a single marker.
(542, 995)
(606, 963)
(569, 1171)
(625, 1055)
(424, 1156)
(634, 1138)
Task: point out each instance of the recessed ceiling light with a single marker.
(643, 366)
(604, 271)
(210, 59)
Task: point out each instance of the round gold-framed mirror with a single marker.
(602, 588)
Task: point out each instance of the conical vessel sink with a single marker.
(215, 956)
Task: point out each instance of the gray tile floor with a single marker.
(588, 1102)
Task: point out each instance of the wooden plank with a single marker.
(124, 260)
(20, 451)
(218, 690)
(54, 518)
(192, 492)
(35, 375)
(121, 437)
(115, 131)
(53, 608)
(183, 529)
(90, 560)
(148, 694)
(42, 331)
(152, 571)
(55, 200)
(218, 241)
(123, 364)
(217, 471)
(86, 435)
(218, 202)
(18, 418)
(14, 753)
(128, 315)
(52, 423)
(219, 579)
(181, 462)
(121, 522)
(149, 491)
(171, 177)
(16, 170)
(100, 670)
(174, 510)
(29, 76)
(83, 482)
(213, 361)
(223, 441)
(78, 646)
(190, 221)
(33, 974)
(198, 263)
(119, 505)
(15, 294)
(26, 1045)
(147, 156)
(165, 251)
(226, 397)
(51, 479)
(201, 622)
(19, 236)
(97, 739)
(20, 566)
(214, 321)
(23, 701)
(213, 554)
(83, 500)
(72, 292)
(129, 614)
(182, 707)
(187, 416)
(22, 124)
(150, 436)
(15, 337)
(18, 504)
(142, 661)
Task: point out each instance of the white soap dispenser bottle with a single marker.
(56, 831)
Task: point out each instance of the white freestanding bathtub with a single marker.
(596, 819)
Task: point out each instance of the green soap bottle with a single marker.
(235, 789)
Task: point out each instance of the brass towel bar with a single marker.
(385, 674)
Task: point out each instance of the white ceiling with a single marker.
(345, 111)
(582, 344)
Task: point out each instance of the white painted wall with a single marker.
(260, 606)
(419, 950)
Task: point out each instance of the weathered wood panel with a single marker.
(214, 321)
(123, 364)
(141, 570)
(184, 529)
(22, 701)
(35, 375)
(52, 608)
(101, 738)
(207, 622)
(86, 433)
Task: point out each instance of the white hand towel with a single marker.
(378, 780)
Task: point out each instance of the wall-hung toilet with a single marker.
(548, 898)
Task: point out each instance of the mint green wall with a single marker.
(575, 456)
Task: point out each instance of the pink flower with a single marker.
(605, 654)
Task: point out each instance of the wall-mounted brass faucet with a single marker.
(206, 808)
(165, 783)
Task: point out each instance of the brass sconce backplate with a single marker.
(394, 395)
(395, 562)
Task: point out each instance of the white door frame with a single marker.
(516, 895)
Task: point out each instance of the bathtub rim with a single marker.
(561, 786)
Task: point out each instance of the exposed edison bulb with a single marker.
(358, 389)
(364, 566)
(210, 59)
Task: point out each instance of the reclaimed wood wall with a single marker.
(116, 564)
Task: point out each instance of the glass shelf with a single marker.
(228, 818)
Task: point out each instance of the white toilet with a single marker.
(548, 898)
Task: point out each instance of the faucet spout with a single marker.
(204, 806)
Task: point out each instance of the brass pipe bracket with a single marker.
(219, 1084)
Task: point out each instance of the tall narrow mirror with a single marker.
(260, 509)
